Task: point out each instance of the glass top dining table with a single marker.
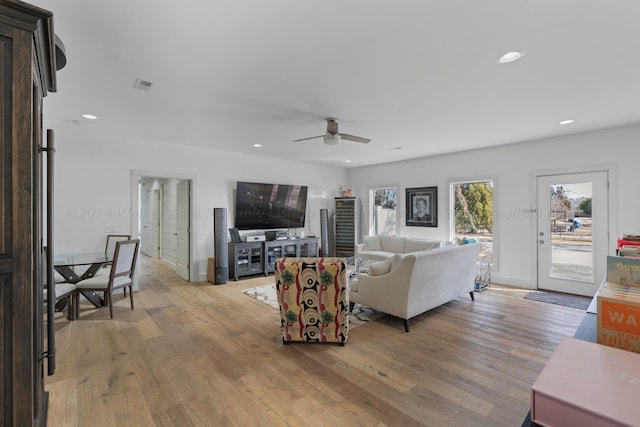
(81, 258)
(66, 264)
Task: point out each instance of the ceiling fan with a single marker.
(333, 137)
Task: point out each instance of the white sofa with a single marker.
(405, 286)
(380, 248)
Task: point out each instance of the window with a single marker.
(473, 207)
(383, 203)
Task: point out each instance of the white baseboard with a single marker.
(510, 281)
(168, 263)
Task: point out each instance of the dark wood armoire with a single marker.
(27, 73)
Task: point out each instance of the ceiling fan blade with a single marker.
(311, 137)
(355, 138)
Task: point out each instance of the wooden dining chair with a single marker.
(110, 248)
(120, 276)
(63, 291)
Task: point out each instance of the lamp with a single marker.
(61, 54)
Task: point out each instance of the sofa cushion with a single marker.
(392, 244)
(415, 245)
(380, 268)
(372, 243)
(375, 255)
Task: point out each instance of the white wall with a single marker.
(93, 186)
(514, 166)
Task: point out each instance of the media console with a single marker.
(248, 258)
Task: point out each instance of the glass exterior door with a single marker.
(572, 232)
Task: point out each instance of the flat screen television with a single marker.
(267, 206)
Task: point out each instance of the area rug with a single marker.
(567, 300)
(358, 316)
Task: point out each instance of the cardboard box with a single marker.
(587, 384)
(618, 323)
(211, 270)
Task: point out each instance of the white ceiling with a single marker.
(420, 75)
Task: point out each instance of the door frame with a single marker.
(180, 215)
(136, 175)
(612, 205)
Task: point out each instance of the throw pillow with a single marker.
(380, 268)
(372, 243)
(395, 261)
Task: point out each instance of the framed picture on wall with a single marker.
(422, 207)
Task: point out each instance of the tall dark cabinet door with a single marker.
(27, 73)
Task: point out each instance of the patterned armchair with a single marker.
(313, 298)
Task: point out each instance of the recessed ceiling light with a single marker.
(566, 122)
(89, 116)
(347, 161)
(510, 57)
(257, 145)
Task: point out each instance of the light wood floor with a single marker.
(203, 355)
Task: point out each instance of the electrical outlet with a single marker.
(109, 228)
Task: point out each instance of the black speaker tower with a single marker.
(221, 246)
(324, 232)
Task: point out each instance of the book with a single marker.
(622, 292)
(618, 321)
(628, 243)
(629, 251)
(623, 270)
(629, 254)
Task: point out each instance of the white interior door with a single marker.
(572, 257)
(146, 219)
(155, 224)
(183, 229)
(169, 239)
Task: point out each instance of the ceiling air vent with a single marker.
(143, 85)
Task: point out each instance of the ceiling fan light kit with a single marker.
(330, 139)
(333, 137)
